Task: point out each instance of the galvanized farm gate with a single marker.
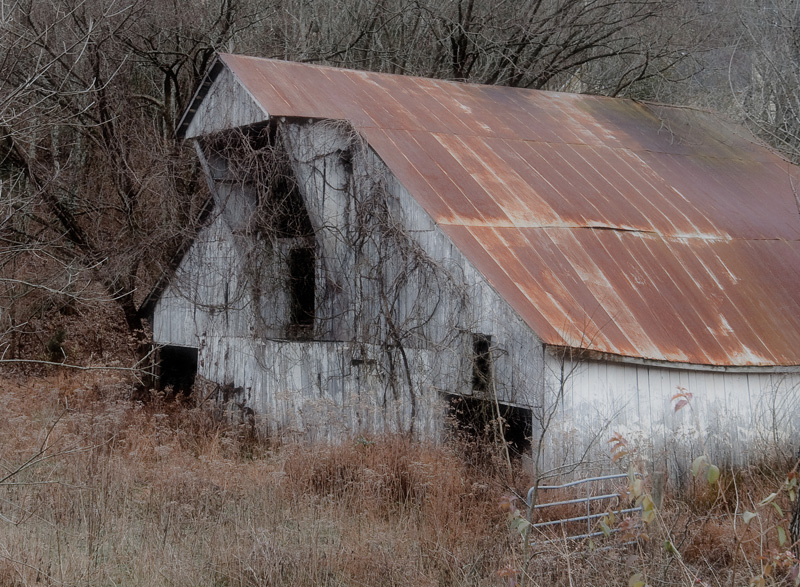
(590, 517)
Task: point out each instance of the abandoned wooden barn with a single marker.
(382, 244)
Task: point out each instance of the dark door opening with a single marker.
(477, 418)
(177, 367)
(302, 292)
(481, 362)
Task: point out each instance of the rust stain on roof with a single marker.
(630, 229)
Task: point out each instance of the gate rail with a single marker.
(589, 517)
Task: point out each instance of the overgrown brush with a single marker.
(168, 492)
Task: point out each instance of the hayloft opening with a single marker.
(302, 291)
(177, 368)
(481, 362)
(477, 418)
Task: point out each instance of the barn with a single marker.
(386, 250)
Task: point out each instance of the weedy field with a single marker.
(100, 489)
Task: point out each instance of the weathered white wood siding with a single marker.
(226, 105)
(309, 387)
(733, 417)
(205, 296)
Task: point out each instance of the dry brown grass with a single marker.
(161, 493)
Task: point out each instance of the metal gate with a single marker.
(612, 500)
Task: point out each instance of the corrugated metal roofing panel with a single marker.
(498, 189)
(630, 229)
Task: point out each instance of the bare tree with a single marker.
(768, 41)
(601, 46)
(90, 169)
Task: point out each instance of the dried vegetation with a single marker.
(167, 492)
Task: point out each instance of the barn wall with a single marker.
(732, 417)
(205, 295)
(319, 389)
(315, 389)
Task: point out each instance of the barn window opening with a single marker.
(481, 362)
(346, 159)
(477, 419)
(177, 368)
(302, 291)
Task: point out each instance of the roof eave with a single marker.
(583, 354)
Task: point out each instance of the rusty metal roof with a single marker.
(619, 227)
